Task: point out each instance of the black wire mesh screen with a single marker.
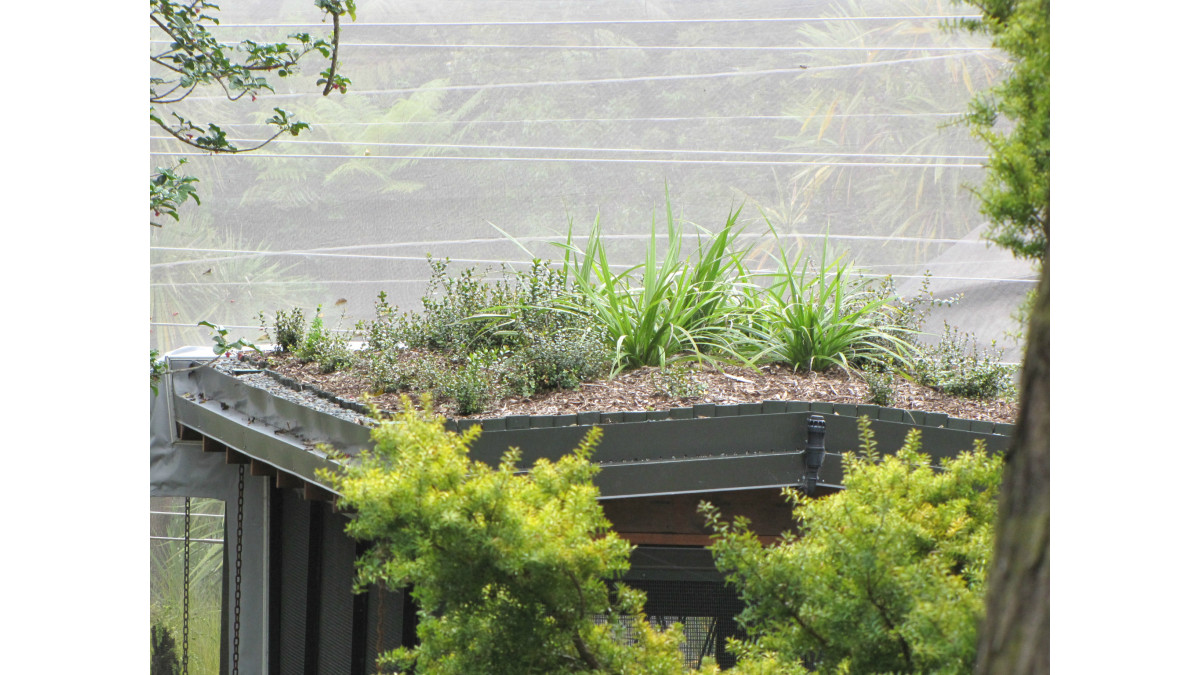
(705, 609)
(294, 570)
(337, 598)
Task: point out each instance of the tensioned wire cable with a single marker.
(333, 251)
(557, 238)
(572, 120)
(319, 282)
(579, 47)
(631, 160)
(556, 148)
(622, 80)
(587, 22)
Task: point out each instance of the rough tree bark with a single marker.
(1015, 637)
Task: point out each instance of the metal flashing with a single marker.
(704, 448)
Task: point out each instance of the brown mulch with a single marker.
(643, 389)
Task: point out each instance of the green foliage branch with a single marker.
(511, 568)
(195, 58)
(888, 575)
(221, 347)
(1015, 195)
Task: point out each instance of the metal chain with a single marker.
(187, 565)
(237, 578)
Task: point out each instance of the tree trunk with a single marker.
(1015, 637)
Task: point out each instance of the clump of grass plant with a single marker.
(813, 317)
(662, 309)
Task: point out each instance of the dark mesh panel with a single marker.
(294, 570)
(386, 620)
(705, 609)
(337, 598)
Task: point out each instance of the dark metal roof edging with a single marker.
(705, 448)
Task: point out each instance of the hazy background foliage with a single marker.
(465, 116)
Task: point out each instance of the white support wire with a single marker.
(316, 282)
(257, 254)
(702, 48)
(681, 48)
(625, 80)
(193, 325)
(332, 251)
(556, 148)
(181, 513)
(589, 22)
(606, 160)
(576, 120)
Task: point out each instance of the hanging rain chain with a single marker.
(187, 564)
(237, 577)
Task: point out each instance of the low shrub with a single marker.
(886, 576)
(563, 360)
(330, 349)
(880, 386)
(287, 329)
(678, 381)
(956, 366)
(507, 337)
(473, 385)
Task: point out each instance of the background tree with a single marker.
(1014, 120)
(886, 576)
(195, 59)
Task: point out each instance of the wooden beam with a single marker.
(287, 480)
(317, 493)
(187, 433)
(234, 457)
(669, 539)
(213, 445)
(258, 468)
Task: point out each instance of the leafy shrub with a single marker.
(288, 329)
(956, 366)
(678, 381)
(496, 339)
(164, 653)
(880, 389)
(385, 332)
(330, 349)
(473, 385)
(888, 575)
(510, 568)
(447, 323)
(563, 360)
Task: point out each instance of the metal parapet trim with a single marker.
(706, 448)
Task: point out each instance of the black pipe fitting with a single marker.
(814, 453)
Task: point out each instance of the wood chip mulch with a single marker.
(643, 389)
